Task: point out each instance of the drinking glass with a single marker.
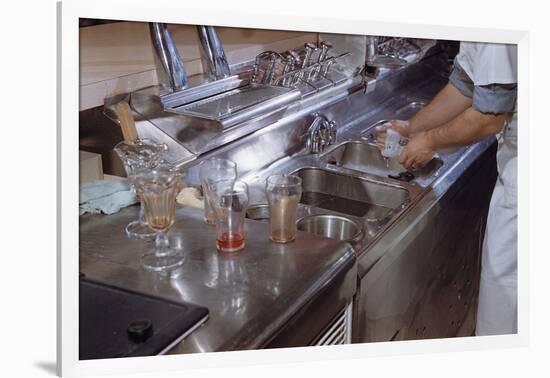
(158, 187)
(229, 200)
(283, 194)
(135, 155)
(211, 171)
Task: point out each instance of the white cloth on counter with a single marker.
(105, 196)
(190, 197)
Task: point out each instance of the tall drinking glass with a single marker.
(158, 188)
(283, 194)
(136, 155)
(211, 171)
(229, 200)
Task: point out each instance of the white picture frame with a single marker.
(165, 11)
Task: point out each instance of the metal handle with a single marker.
(269, 72)
(326, 66)
(325, 46)
(289, 66)
(310, 48)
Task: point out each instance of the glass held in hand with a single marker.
(137, 155)
(229, 200)
(392, 145)
(158, 188)
(211, 171)
(283, 195)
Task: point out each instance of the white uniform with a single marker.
(497, 309)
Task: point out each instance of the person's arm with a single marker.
(444, 107)
(468, 127)
(452, 100)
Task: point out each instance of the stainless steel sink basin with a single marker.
(331, 226)
(350, 195)
(365, 157)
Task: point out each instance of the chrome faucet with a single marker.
(321, 134)
(212, 54)
(170, 70)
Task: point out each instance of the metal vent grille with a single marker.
(339, 331)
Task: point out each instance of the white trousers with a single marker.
(497, 307)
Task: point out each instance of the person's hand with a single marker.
(402, 127)
(418, 152)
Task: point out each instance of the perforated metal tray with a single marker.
(224, 105)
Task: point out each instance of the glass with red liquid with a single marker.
(229, 199)
(210, 171)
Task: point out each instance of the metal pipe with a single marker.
(213, 57)
(372, 47)
(170, 70)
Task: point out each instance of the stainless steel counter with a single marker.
(401, 262)
(407, 263)
(252, 295)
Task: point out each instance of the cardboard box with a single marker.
(91, 167)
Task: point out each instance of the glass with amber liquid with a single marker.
(283, 195)
(158, 188)
(229, 200)
(136, 155)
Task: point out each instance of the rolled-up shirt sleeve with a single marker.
(493, 98)
(461, 81)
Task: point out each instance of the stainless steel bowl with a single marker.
(258, 212)
(331, 226)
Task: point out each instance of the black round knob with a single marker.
(140, 330)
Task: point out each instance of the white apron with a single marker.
(497, 307)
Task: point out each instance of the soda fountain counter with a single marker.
(408, 269)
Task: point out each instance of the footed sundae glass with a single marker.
(158, 187)
(137, 155)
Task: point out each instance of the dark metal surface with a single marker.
(120, 323)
